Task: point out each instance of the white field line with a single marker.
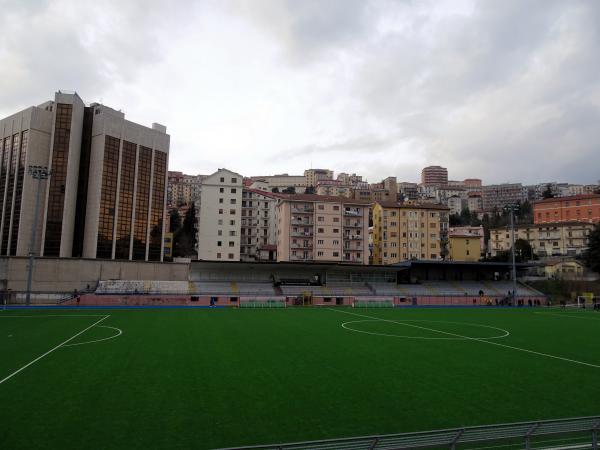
(567, 315)
(119, 333)
(8, 316)
(51, 350)
(477, 340)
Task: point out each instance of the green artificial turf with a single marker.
(209, 378)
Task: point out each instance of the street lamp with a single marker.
(512, 208)
(38, 173)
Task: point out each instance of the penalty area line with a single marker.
(51, 350)
(561, 358)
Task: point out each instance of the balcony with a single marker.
(301, 258)
(304, 223)
(353, 237)
(302, 210)
(308, 234)
(353, 225)
(353, 213)
(301, 246)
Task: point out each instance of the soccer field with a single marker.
(209, 378)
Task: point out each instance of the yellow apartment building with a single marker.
(403, 232)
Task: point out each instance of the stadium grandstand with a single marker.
(414, 283)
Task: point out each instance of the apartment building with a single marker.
(105, 197)
(313, 176)
(547, 239)
(580, 208)
(349, 179)
(434, 176)
(466, 243)
(404, 232)
(499, 195)
(183, 189)
(322, 229)
(279, 182)
(333, 188)
(219, 216)
(258, 240)
(455, 204)
(409, 191)
(475, 202)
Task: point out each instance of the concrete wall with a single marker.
(67, 274)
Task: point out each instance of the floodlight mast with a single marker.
(38, 173)
(512, 207)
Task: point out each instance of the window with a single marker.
(336, 219)
(336, 242)
(320, 241)
(218, 243)
(336, 254)
(220, 211)
(336, 230)
(220, 222)
(320, 230)
(231, 244)
(319, 253)
(221, 190)
(232, 222)
(320, 219)
(233, 190)
(234, 180)
(336, 207)
(218, 256)
(232, 233)
(232, 212)
(230, 256)
(219, 232)
(220, 200)
(321, 207)
(232, 201)
(222, 180)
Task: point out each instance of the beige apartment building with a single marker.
(404, 232)
(322, 229)
(313, 176)
(547, 239)
(258, 240)
(333, 188)
(219, 217)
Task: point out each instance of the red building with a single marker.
(579, 208)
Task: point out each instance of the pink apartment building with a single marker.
(322, 229)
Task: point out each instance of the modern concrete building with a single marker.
(322, 229)
(258, 239)
(434, 176)
(548, 239)
(404, 232)
(580, 208)
(105, 197)
(219, 216)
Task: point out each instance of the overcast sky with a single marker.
(504, 90)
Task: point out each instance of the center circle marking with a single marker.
(504, 332)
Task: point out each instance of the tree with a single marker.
(289, 190)
(174, 221)
(185, 238)
(455, 220)
(309, 190)
(523, 250)
(591, 256)
(548, 192)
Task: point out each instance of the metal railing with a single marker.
(582, 431)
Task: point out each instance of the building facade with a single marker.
(105, 197)
(497, 196)
(404, 232)
(464, 248)
(434, 176)
(322, 229)
(258, 225)
(313, 176)
(581, 208)
(183, 189)
(219, 217)
(548, 239)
